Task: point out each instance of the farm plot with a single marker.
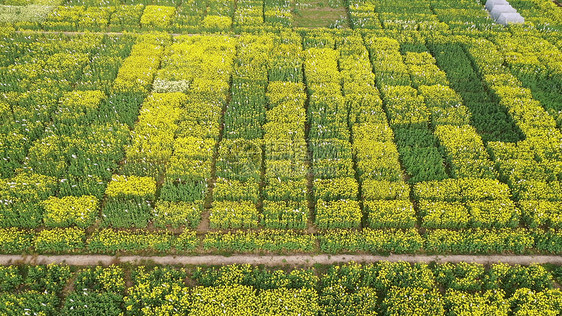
(385, 288)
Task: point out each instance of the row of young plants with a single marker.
(375, 241)
(285, 204)
(385, 195)
(200, 67)
(240, 155)
(131, 192)
(215, 16)
(335, 187)
(384, 288)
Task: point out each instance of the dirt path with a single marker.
(305, 260)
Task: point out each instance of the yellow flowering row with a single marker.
(111, 241)
(411, 300)
(338, 214)
(464, 147)
(157, 17)
(273, 241)
(282, 190)
(479, 241)
(283, 235)
(131, 187)
(177, 214)
(234, 214)
(285, 214)
(539, 213)
(78, 18)
(70, 210)
(384, 192)
(455, 215)
(78, 106)
(335, 189)
(59, 240)
(390, 214)
(462, 190)
(153, 136)
(137, 71)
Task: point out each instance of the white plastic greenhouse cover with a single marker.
(500, 9)
(510, 18)
(491, 3)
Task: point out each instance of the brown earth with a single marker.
(276, 260)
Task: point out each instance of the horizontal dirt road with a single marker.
(295, 260)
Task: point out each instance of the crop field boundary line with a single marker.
(272, 260)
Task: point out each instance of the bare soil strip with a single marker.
(275, 260)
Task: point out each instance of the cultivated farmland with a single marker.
(280, 127)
